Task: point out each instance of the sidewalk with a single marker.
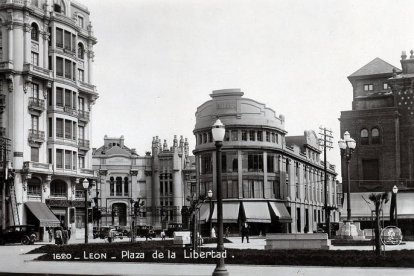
(14, 259)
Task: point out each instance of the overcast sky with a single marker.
(157, 61)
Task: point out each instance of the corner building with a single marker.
(381, 122)
(46, 88)
(269, 180)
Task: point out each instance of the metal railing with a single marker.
(83, 115)
(83, 143)
(36, 103)
(35, 134)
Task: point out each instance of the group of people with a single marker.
(60, 234)
(245, 232)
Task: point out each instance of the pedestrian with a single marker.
(50, 232)
(69, 233)
(163, 235)
(227, 232)
(65, 235)
(58, 236)
(245, 232)
(110, 236)
(213, 233)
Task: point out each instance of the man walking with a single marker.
(245, 232)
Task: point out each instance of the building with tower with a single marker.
(47, 93)
(158, 183)
(270, 180)
(381, 123)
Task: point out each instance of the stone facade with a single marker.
(46, 86)
(159, 181)
(261, 166)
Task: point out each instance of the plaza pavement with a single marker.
(14, 259)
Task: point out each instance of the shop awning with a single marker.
(361, 207)
(42, 212)
(230, 212)
(205, 212)
(256, 211)
(405, 205)
(280, 211)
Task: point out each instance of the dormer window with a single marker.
(368, 87)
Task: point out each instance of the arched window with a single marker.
(364, 137)
(118, 186)
(80, 51)
(111, 186)
(126, 186)
(58, 188)
(35, 32)
(375, 136)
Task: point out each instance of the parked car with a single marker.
(172, 227)
(145, 231)
(25, 234)
(103, 232)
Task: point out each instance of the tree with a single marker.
(195, 204)
(378, 200)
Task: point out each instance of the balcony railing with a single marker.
(36, 103)
(37, 69)
(69, 110)
(83, 143)
(83, 115)
(86, 171)
(36, 135)
(2, 101)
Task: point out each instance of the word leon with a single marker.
(126, 254)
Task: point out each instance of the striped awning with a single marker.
(43, 213)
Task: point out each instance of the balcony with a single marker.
(6, 65)
(38, 71)
(2, 102)
(83, 144)
(70, 111)
(36, 104)
(36, 136)
(87, 171)
(83, 115)
(30, 167)
(86, 87)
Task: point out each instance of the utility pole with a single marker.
(326, 142)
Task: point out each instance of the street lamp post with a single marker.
(347, 146)
(85, 184)
(210, 196)
(218, 132)
(395, 191)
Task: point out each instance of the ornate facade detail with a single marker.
(27, 28)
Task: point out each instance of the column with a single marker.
(46, 37)
(26, 43)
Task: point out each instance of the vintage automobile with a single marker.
(25, 234)
(173, 227)
(145, 231)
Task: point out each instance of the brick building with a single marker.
(381, 122)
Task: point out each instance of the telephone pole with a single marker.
(326, 142)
